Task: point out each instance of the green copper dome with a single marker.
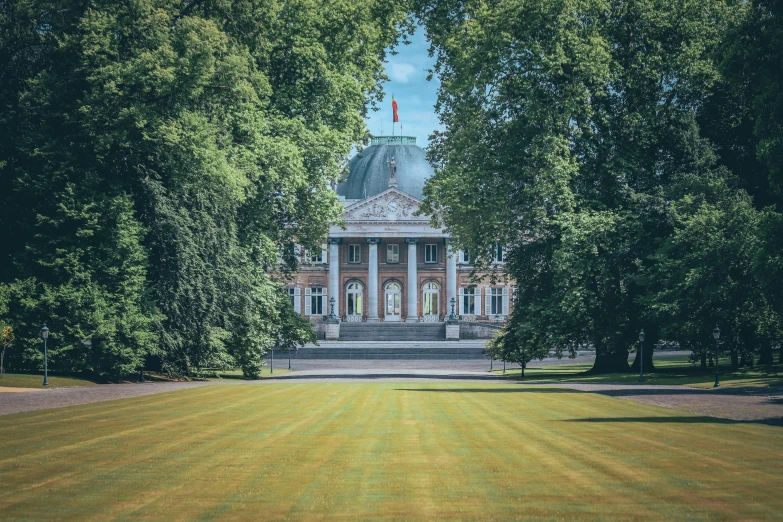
(368, 171)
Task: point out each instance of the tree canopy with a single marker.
(157, 155)
(587, 136)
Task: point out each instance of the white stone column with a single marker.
(372, 281)
(451, 279)
(413, 281)
(334, 273)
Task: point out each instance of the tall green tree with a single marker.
(158, 154)
(569, 125)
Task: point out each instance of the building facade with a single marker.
(389, 264)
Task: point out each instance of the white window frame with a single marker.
(464, 257)
(394, 249)
(497, 302)
(500, 255)
(316, 259)
(433, 302)
(296, 297)
(431, 253)
(466, 296)
(315, 296)
(357, 294)
(355, 253)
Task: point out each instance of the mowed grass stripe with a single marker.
(384, 450)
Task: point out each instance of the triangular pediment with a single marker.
(390, 205)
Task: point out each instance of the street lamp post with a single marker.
(453, 316)
(45, 335)
(716, 336)
(331, 308)
(641, 356)
(272, 363)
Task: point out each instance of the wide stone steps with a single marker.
(401, 350)
(392, 332)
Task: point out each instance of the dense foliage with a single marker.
(628, 154)
(156, 155)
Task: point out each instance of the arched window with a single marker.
(393, 300)
(354, 301)
(431, 302)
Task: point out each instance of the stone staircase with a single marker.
(392, 332)
(400, 350)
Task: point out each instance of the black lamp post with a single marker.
(45, 335)
(453, 316)
(641, 356)
(716, 336)
(331, 308)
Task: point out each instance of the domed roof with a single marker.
(369, 170)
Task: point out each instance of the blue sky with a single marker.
(415, 96)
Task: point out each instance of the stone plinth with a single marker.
(332, 328)
(452, 330)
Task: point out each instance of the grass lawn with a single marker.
(668, 370)
(21, 380)
(385, 450)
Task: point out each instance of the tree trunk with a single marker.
(734, 359)
(648, 361)
(2, 369)
(606, 361)
(765, 354)
(745, 360)
(704, 359)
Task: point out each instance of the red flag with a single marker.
(394, 108)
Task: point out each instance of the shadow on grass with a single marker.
(374, 376)
(651, 390)
(770, 421)
(674, 420)
(490, 390)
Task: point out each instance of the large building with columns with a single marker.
(389, 264)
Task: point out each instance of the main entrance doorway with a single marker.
(430, 303)
(393, 298)
(354, 293)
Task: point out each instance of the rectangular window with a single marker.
(317, 301)
(498, 254)
(318, 256)
(292, 295)
(469, 301)
(465, 257)
(354, 253)
(430, 253)
(496, 301)
(392, 253)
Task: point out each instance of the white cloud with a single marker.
(401, 72)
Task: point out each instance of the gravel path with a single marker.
(461, 365)
(37, 399)
(749, 404)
